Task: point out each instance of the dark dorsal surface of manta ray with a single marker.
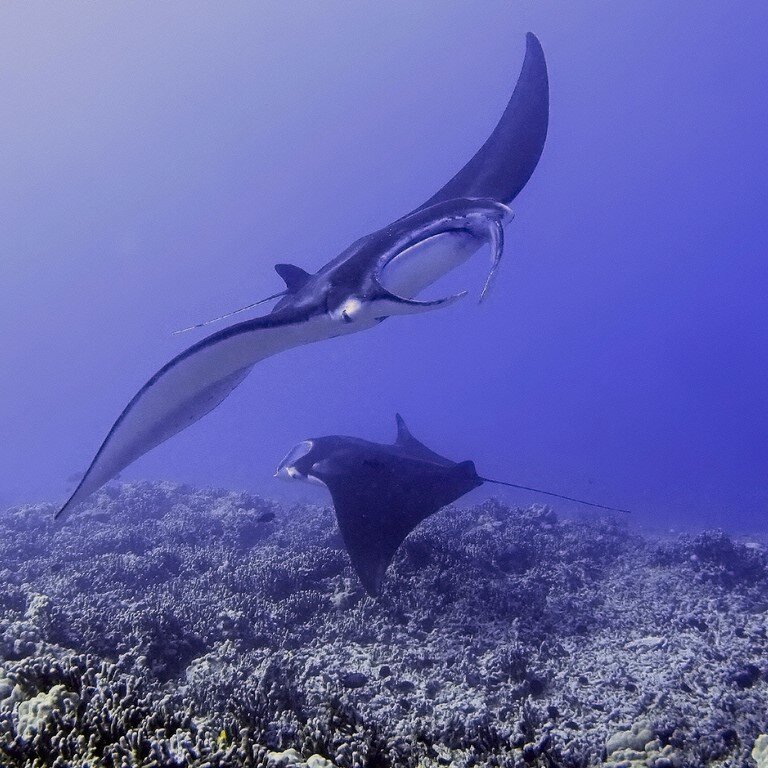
(378, 276)
(382, 492)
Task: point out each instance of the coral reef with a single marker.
(760, 751)
(164, 625)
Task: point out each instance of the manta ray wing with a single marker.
(503, 165)
(379, 501)
(190, 386)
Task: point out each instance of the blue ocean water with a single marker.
(156, 161)
(156, 164)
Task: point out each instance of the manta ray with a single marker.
(376, 277)
(382, 492)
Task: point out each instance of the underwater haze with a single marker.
(156, 161)
(178, 605)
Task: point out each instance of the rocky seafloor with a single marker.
(166, 626)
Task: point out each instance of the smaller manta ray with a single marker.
(382, 492)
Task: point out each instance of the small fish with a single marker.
(265, 517)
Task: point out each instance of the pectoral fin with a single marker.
(503, 165)
(190, 386)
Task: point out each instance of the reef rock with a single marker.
(168, 626)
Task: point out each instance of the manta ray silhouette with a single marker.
(382, 492)
(375, 278)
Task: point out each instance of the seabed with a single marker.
(170, 626)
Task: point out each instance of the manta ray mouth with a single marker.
(422, 260)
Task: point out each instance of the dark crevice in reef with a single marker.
(168, 626)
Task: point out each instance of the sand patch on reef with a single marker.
(170, 625)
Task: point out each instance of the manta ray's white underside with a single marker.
(421, 265)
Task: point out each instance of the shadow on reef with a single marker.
(171, 626)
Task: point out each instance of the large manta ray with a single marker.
(382, 492)
(376, 277)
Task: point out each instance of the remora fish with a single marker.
(375, 278)
(382, 492)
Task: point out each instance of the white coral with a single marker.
(760, 751)
(283, 759)
(33, 713)
(316, 761)
(635, 739)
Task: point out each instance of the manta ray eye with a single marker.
(349, 309)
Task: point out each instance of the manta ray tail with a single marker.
(229, 314)
(556, 495)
